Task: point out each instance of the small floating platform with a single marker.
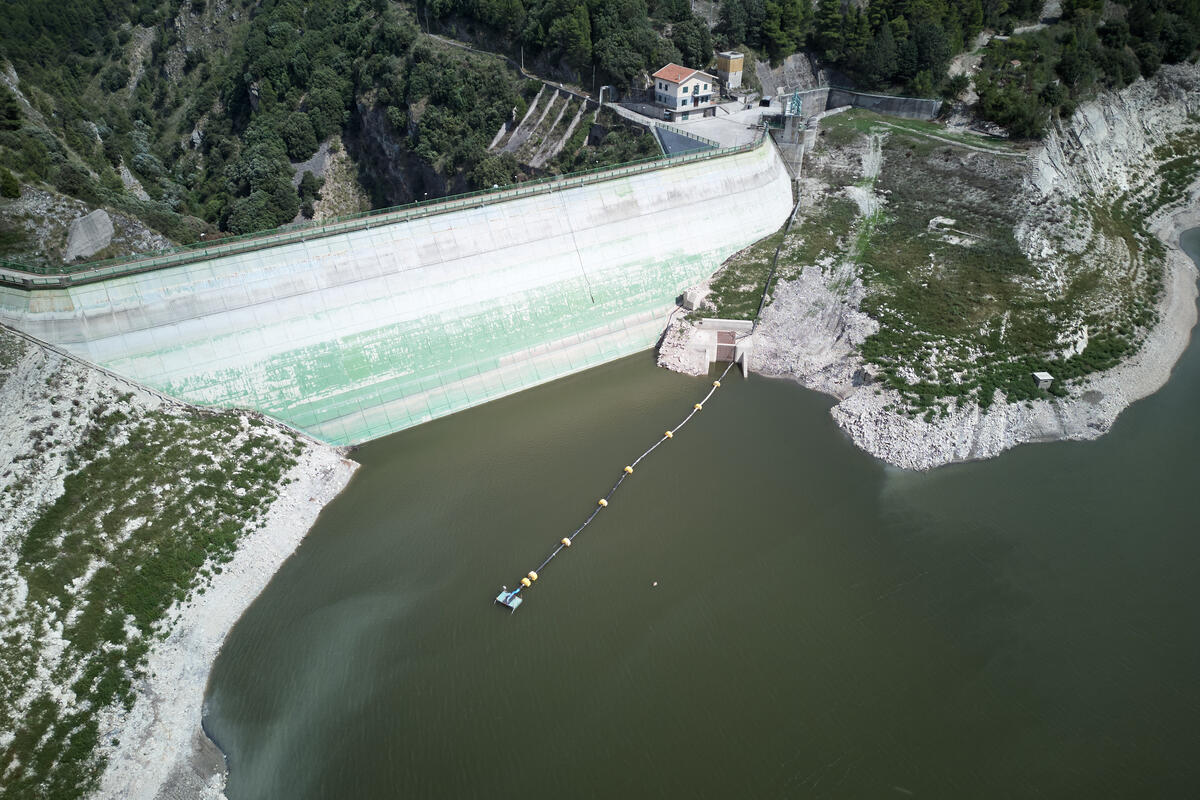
(509, 599)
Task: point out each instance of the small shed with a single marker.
(1043, 379)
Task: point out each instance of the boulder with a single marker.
(89, 234)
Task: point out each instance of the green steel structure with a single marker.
(356, 334)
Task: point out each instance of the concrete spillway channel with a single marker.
(544, 130)
(359, 334)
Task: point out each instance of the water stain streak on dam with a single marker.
(360, 334)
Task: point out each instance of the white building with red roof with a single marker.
(685, 93)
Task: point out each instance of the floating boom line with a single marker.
(512, 598)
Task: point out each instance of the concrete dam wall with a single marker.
(356, 335)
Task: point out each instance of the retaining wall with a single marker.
(815, 101)
(908, 107)
(359, 334)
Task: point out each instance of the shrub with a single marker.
(8, 184)
(10, 110)
(310, 189)
(297, 133)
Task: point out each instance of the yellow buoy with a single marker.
(532, 576)
(698, 406)
(629, 470)
(603, 503)
(526, 582)
(566, 542)
(717, 384)
(668, 434)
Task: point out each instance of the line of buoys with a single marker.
(509, 598)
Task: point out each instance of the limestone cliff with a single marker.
(1107, 150)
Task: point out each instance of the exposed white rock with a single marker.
(825, 356)
(677, 353)
(163, 750)
(157, 749)
(88, 234)
(813, 329)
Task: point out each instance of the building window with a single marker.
(685, 90)
(706, 87)
(685, 115)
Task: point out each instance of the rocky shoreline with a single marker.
(164, 753)
(55, 404)
(813, 330)
(970, 433)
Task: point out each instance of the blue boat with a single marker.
(510, 599)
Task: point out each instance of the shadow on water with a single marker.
(822, 625)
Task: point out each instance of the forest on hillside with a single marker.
(206, 103)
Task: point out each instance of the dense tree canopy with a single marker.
(1026, 79)
(210, 133)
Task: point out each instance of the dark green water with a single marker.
(823, 626)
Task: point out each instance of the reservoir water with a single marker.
(822, 625)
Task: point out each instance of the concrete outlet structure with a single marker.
(355, 335)
(724, 340)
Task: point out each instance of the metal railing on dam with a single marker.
(390, 320)
(40, 277)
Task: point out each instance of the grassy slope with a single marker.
(150, 497)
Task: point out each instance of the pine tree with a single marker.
(827, 30)
(573, 35)
(881, 64)
(858, 34)
(775, 36)
(10, 110)
(8, 184)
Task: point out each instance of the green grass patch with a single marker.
(148, 502)
(960, 308)
(841, 129)
(820, 234)
(737, 289)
